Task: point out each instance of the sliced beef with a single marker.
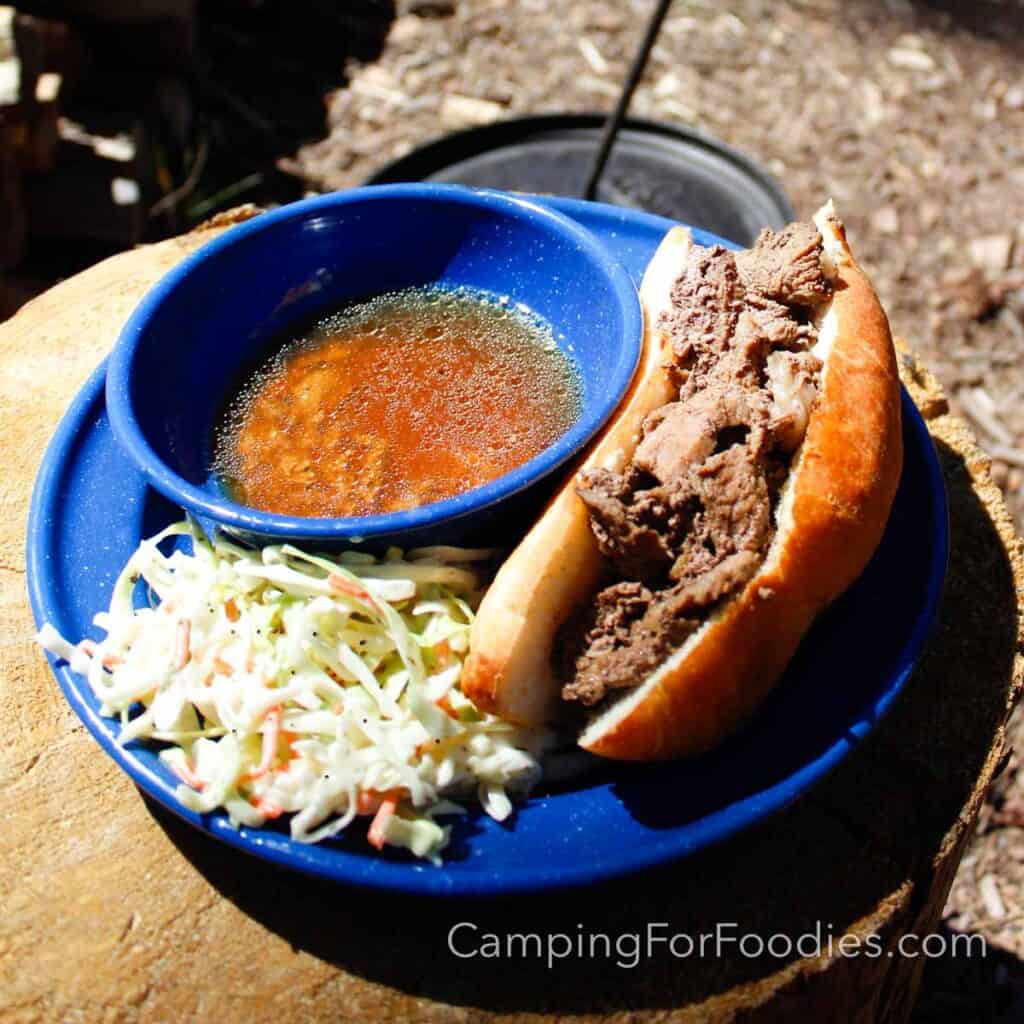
(638, 530)
(629, 630)
(623, 639)
(685, 528)
(675, 438)
(776, 326)
(786, 266)
(688, 522)
(705, 306)
(735, 513)
(687, 433)
(695, 492)
(695, 594)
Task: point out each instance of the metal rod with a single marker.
(615, 119)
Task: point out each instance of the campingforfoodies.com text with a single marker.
(468, 941)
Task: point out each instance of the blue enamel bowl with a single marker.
(185, 347)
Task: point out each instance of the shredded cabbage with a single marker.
(325, 688)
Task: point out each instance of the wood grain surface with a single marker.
(113, 910)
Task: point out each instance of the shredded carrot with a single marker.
(288, 738)
(444, 653)
(369, 800)
(446, 706)
(181, 651)
(222, 666)
(267, 807)
(441, 748)
(187, 774)
(231, 609)
(379, 826)
(109, 660)
(271, 731)
(343, 586)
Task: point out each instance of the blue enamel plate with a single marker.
(90, 509)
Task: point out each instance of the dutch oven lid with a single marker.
(663, 169)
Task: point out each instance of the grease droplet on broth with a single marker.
(402, 400)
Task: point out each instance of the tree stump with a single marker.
(115, 910)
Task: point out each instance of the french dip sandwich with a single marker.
(742, 485)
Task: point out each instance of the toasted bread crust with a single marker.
(843, 484)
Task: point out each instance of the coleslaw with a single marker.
(282, 682)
